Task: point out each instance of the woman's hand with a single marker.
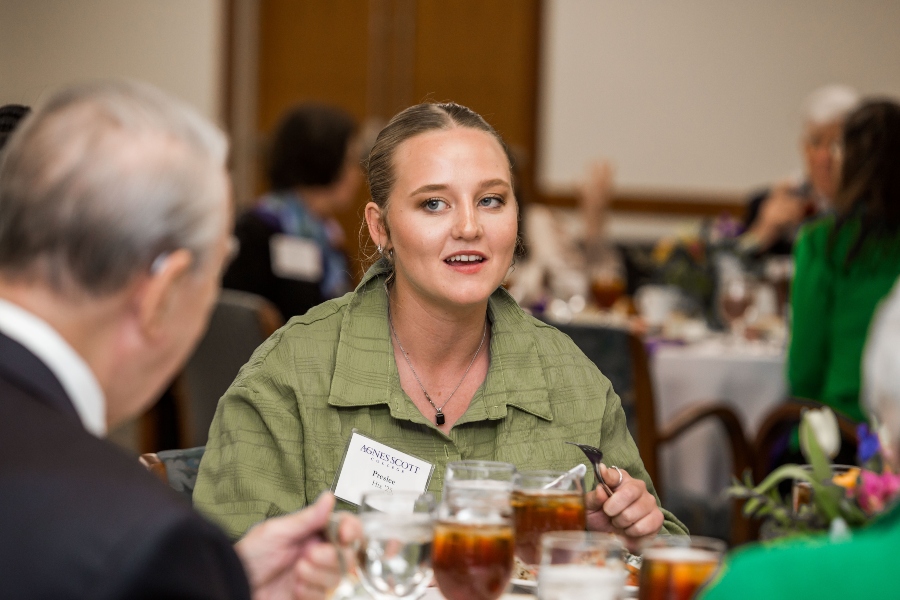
(287, 557)
(631, 511)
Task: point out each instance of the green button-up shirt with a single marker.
(280, 430)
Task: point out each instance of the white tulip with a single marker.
(824, 425)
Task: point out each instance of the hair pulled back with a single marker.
(409, 123)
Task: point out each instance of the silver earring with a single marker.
(379, 249)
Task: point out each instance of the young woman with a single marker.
(429, 355)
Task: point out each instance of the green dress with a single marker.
(832, 304)
(861, 567)
(280, 430)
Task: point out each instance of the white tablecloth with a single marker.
(749, 377)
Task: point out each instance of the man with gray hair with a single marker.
(775, 214)
(114, 230)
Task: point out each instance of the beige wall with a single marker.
(174, 44)
(699, 95)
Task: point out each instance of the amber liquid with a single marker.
(607, 291)
(676, 573)
(539, 512)
(472, 562)
(734, 308)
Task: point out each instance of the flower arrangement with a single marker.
(825, 497)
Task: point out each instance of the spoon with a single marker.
(595, 455)
(576, 471)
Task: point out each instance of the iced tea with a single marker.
(537, 512)
(472, 561)
(676, 573)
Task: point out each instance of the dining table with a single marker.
(748, 376)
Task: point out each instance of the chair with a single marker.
(770, 444)
(240, 322)
(622, 357)
(177, 468)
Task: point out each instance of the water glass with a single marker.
(461, 471)
(577, 565)
(395, 555)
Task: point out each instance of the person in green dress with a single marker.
(846, 263)
(861, 566)
(430, 355)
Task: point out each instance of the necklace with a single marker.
(438, 410)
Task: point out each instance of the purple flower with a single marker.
(868, 443)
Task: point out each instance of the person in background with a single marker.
(115, 224)
(861, 566)
(291, 246)
(565, 247)
(10, 117)
(774, 215)
(429, 356)
(846, 263)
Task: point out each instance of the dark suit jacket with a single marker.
(80, 518)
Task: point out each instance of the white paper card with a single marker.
(370, 465)
(295, 258)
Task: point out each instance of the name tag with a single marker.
(295, 258)
(370, 465)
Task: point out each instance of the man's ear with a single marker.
(375, 221)
(156, 295)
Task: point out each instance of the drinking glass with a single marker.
(802, 492)
(581, 564)
(395, 555)
(473, 533)
(735, 297)
(675, 567)
(538, 508)
(479, 470)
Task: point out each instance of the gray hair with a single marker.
(830, 103)
(881, 366)
(103, 178)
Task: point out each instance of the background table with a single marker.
(748, 377)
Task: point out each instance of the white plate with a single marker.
(525, 583)
(631, 591)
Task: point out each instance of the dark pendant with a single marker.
(439, 418)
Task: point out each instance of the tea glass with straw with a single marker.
(545, 501)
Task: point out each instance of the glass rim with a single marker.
(581, 536)
(386, 502)
(404, 493)
(686, 541)
(531, 482)
(485, 464)
(542, 473)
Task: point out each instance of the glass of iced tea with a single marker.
(581, 564)
(473, 549)
(676, 567)
(545, 501)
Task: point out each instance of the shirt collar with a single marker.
(366, 374)
(64, 362)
